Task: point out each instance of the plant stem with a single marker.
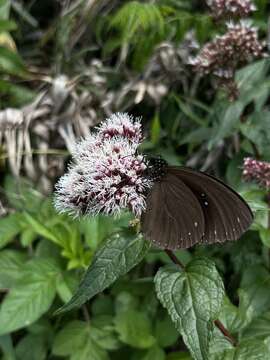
(225, 332)
(217, 322)
(86, 313)
(174, 258)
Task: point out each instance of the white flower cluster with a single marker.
(107, 174)
(231, 8)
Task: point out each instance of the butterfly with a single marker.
(186, 207)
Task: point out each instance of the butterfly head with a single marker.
(157, 168)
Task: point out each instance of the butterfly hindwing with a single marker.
(226, 214)
(173, 217)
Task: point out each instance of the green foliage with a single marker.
(181, 292)
(134, 329)
(31, 297)
(126, 299)
(115, 258)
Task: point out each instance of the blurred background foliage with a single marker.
(64, 66)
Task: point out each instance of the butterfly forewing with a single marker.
(226, 214)
(173, 217)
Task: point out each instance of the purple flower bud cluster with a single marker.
(258, 171)
(229, 9)
(107, 173)
(225, 54)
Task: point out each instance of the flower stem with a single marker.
(174, 258)
(225, 332)
(217, 322)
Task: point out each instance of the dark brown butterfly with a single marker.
(185, 207)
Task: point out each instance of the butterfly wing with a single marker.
(173, 218)
(227, 216)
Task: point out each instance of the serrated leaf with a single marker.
(116, 257)
(9, 228)
(134, 329)
(103, 332)
(219, 345)
(193, 298)
(259, 328)
(31, 347)
(42, 230)
(232, 317)
(74, 335)
(75, 340)
(11, 263)
(255, 297)
(251, 350)
(31, 297)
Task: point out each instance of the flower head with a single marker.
(227, 9)
(225, 54)
(258, 171)
(107, 174)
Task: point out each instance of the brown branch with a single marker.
(217, 322)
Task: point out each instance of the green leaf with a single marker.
(31, 297)
(228, 121)
(104, 333)
(75, 340)
(102, 305)
(193, 298)
(219, 345)
(74, 335)
(4, 9)
(178, 356)
(259, 328)
(7, 25)
(165, 332)
(7, 347)
(21, 194)
(155, 129)
(16, 95)
(134, 329)
(232, 317)
(251, 350)
(31, 347)
(265, 236)
(40, 229)
(255, 295)
(115, 258)
(11, 63)
(9, 228)
(135, 17)
(66, 284)
(256, 128)
(155, 353)
(11, 263)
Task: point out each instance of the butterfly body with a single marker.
(185, 207)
